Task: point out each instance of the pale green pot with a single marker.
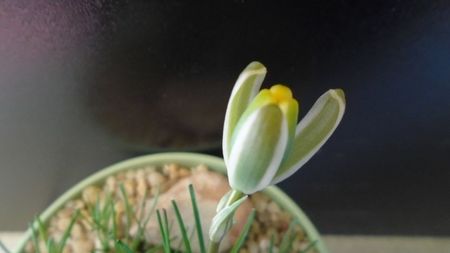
(185, 159)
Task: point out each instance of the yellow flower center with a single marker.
(280, 93)
(280, 96)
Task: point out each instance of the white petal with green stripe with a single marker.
(258, 145)
(245, 89)
(313, 131)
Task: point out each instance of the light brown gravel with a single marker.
(271, 221)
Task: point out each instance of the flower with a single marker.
(262, 143)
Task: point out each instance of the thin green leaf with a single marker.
(272, 242)
(142, 205)
(244, 232)
(198, 223)
(313, 131)
(157, 248)
(114, 222)
(164, 233)
(34, 239)
(187, 244)
(143, 220)
(122, 247)
(141, 225)
(43, 233)
(192, 234)
(309, 247)
(66, 234)
(152, 208)
(128, 211)
(166, 225)
(52, 246)
(101, 219)
(288, 238)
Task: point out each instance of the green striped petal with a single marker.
(313, 131)
(258, 146)
(289, 107)
(245, 89)
(290, 111)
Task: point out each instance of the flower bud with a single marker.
(261, 143)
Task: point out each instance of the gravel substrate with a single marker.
(142, 185)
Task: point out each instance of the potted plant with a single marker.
(182, 202)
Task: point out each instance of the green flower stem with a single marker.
(235, 196)
(213, 247)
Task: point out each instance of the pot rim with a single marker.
(185, 159)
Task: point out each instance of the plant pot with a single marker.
(185, 159)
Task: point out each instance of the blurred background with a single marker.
(84, 84)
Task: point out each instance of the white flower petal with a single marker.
(258, 147)
(313, 131)
(245, 89)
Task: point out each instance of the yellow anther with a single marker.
(281, 93)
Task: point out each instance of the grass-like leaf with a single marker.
(102, 215)
(155, 249)
(164, 230)
(143, 220)
(198, 223)
(187, 243)
(272, 242)
(288, 238)
(103, 220)
(35, 239)
(40, 234)
(309, 247)
(141, 226)
(114, 222)
(122, 247)
(128, 211)
(52, 246)
(166, 222)
(244, 232)
(43, 233)
(66, 234)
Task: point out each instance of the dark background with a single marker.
(84, 84)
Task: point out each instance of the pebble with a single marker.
(64, 213)
(90, 195)
(140, 174)
(155, 179)
(82, 246)
(129, 186)
(252, 247)
(141, 187)
(130, 174)
(264, 244)
(183, 172)
(110, 184)
(62, 224)
(273, 208)
(77, 231)
(171, 170)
